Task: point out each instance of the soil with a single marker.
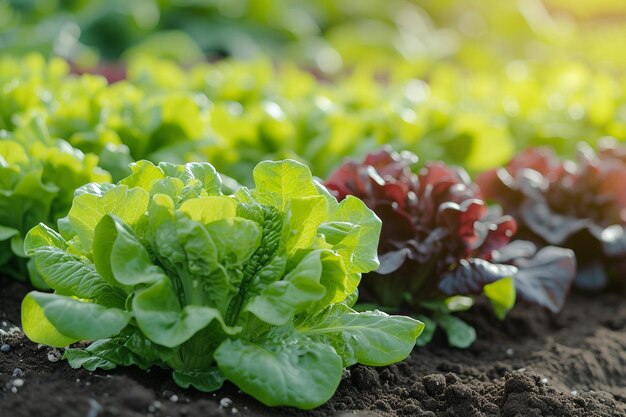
(532, 364)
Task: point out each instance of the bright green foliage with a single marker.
(234, 114)
(473, 119)
(501, 294)
(119, 123)
(38, 176)
(256, 287)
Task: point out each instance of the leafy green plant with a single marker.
(235, 114)
(38, 176)
(257, 287)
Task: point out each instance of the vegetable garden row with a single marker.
(142, 214)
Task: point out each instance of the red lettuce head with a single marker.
(439, 238)
(579, 204)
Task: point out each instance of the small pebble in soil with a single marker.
(574, 392)
(54, 355)
(174, 398)
(156, 405)
(13, 390)
(94, 408)
(509, 352)
(225, 402)
(435, 384)
(5, 348)
(19, 382)
(544, 381)
(17, 372)
(520, 370)
(234, 410)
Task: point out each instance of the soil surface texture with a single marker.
(532, 364)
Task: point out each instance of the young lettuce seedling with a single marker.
(256, 288)
(440, 243)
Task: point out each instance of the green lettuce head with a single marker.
(256, 287)
(38, 176)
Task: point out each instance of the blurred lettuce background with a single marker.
(326, 35)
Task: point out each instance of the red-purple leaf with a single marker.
(579, 204)
(471, 275)
(553, 227)
(514, 250)
(545, 279)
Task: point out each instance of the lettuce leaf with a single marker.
(38, 176)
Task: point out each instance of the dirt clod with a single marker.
(434, 384)
(365, 378)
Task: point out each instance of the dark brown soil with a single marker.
(532, 364)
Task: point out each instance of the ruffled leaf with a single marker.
(289, 370)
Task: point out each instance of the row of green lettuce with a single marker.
(236, 113)
(327, 36)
